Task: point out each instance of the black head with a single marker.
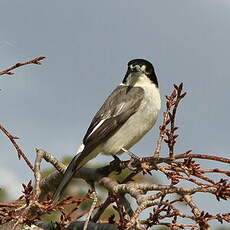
(141, 65)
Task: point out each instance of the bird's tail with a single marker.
(77, 162)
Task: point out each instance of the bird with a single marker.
(129, 112)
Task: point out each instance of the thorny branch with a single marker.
(165, 212)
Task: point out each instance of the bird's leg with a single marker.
(116, 162)
(116, 159)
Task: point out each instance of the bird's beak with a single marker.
(136, 69)
(134, 75)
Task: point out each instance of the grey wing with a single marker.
(117, 109)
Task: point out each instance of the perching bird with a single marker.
(125, 117)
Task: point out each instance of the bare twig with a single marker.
(20, 152)
(33, 61)
(162, 133)
(203, 156)
(37, 174)
(172, 104)
(102, 208)
(94, 197)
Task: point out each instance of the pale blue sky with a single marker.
(88, 44)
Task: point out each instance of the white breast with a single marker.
(138, 124)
